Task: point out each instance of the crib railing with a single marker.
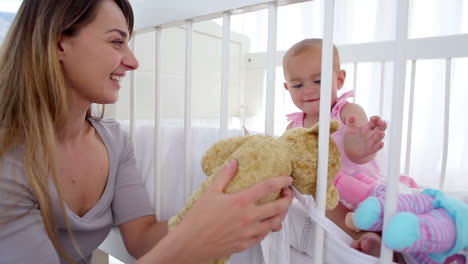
(270, 95)
(399, 51)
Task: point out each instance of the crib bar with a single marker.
(200, 10)
(132, 99)
(188, 108)
(225, 61)
(157, 123)
(448, 85)
(324, 119)
(382, 88)
(409, 136)
(421, 48)
(401, 38)
(242, 69)
(355, 69)
(271, 68)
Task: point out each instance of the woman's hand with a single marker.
(220, 224)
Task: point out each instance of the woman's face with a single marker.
(96, 58)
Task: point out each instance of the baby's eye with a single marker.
(297, 85)
(317, 81)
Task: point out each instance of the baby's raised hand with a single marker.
(362, 142)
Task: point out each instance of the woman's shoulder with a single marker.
(108, 124)
(13, 157)
(109, 127)
(113, 133)
(13, 172)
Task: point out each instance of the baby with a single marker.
(358, 140)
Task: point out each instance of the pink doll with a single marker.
(429, 225)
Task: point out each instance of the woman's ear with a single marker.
(341, 76)
(61, 47)
(285, 84)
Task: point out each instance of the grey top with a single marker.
(25, 240)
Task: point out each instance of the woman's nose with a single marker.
(130, 61)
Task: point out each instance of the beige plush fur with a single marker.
(260, 157)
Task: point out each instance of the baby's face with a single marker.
(303, 77)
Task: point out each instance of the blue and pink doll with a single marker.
(430, 226)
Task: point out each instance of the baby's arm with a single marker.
(362, 138)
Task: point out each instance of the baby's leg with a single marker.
(431, 232)
(369, 243)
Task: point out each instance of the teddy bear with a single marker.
(260, 157)
(428, 224)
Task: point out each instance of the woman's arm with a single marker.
(23, 238)
(141, 234)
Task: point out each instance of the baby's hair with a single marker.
(305, 44)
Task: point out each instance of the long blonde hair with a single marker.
(33, 92)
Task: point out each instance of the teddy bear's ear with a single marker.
(246, 132)
(334, 125)
(315, 128)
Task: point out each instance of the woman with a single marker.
(57, 160)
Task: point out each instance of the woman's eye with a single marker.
(317, 81)
(118, 43)
(297, 86)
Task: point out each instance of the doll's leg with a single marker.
(365, 179)
(351, 189)
(423, 258)
(369, 214)
(431, 232)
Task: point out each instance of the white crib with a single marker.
(172, 31)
